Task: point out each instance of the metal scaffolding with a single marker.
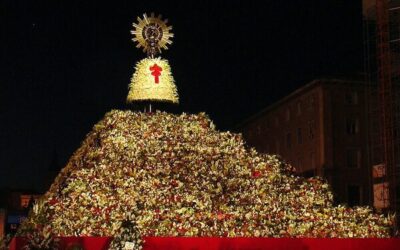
(382, 66)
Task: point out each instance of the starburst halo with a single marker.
(160, 26)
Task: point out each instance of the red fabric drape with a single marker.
(214, 243)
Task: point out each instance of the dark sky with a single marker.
(66, 63)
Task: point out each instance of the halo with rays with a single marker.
(152, 33)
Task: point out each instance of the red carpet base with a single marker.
(214, 243)
(180, 243)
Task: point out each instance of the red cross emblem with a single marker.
(156, 72)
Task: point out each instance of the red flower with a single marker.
(221, 216)
(182, 230)
(256, 174)
(53, 201)
(174, 183)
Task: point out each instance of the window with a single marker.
(267, 124)
(351, 126)
(353, 158)
(312, 102)
(267, 148)
(354, 195)
(258, 129)
(288, 140)
(312, 160)
(311, 129)
(298, 108)
(351, 98)
(276, 122)
(288, 115)
(299, 136)
(277, 146)
(299, 166)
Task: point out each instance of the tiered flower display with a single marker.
(179, 176)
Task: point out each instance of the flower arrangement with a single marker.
(180, 176)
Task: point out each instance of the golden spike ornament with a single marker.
(152, 34)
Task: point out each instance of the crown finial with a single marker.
(152, 34)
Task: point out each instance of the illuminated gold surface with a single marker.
(144, 88)
(137, 32)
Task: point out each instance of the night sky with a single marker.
(64, 64)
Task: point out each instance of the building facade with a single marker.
(320, 129)
(381, 30)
